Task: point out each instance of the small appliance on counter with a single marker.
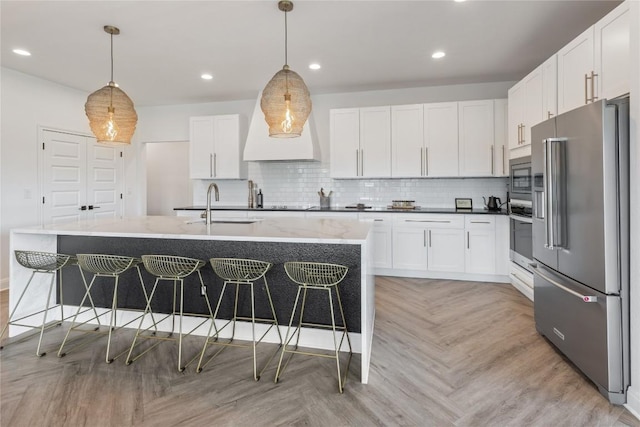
(493, 204)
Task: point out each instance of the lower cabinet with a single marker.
(382, 238)
(428, 242)
(480, 254)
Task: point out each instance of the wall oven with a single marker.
(520, 212)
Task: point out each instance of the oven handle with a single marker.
(526, 219)
(584, 298)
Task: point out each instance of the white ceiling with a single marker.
(164, 46)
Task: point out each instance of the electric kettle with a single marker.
(493, 204)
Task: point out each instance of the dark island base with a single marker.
(283, 290)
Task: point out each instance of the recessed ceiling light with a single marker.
(315, 66)
(206, 77)
(22, 52)
(437, 55)
(459, 1)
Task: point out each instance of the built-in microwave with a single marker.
(520, 212)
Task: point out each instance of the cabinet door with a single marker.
(441, 139)
(227, 158)
(550, 87)
(407, 141)
(445, 249)
(375, 142)
(516, 115)
(500, 155)
(345, 142)
(382, 249)
(575, 61)
(612, 53)
(475, 133)
(201, 147)
(409, 248)
(533, 106)
(480, 254)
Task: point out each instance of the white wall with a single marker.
(168, 182)
(27, 104)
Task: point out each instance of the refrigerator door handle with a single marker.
(554, 173)
(546, 205)
(584, 298)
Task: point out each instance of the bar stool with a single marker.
(43, 263)
(175, 269)
(323, 277)
(101, 265)
(241, 272)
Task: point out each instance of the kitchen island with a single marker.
(276, 240)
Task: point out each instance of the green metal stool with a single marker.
(101, 265)
(241, 272)
(323, 277)
(174, 269)
(43, 263)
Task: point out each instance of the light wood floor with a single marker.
(445, 353)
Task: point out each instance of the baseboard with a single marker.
(492, 278)
(4, 284)
(633, 402)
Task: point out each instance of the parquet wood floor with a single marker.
(445, 353)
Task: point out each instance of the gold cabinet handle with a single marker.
(593, 87)
(492, 161)
(503, 160)
(421, 161)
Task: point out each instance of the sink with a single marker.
(225, 221)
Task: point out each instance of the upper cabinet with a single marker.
(360, 142)
(420, 140)
(475, 138)
(215, 150)
(550, 88)
(525, 110)
(595, 65)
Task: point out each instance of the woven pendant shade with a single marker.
(124, 115)
(274, 104)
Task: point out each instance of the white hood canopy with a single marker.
(261, 147)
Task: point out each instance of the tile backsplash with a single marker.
(298, 183)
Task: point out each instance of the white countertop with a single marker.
(302, 230)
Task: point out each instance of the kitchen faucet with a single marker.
(208, 211)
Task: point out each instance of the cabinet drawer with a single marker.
(430, 221)
(479, 221)
(378, 218)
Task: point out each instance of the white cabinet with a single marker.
(550, 88)
(500, 144)
(382, 238)
(424, 242)
(215, 148)
(407, 141)
(475, 138)
(441, 139)
(480, 254)
(360, 142)
(595, 65)
(525, 111)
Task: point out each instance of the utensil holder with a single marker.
(325, 202)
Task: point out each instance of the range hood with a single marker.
(261, 147)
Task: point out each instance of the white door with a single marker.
(81, 179)
(575, 64)
(375, 142)
(407, 141)
(475, 133)
(64, 177)
(345, 142)
(441, 139)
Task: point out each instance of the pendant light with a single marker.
(110, 111)
(285, 102)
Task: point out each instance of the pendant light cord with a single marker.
(286, 62)
(111, 56)
(111, 83)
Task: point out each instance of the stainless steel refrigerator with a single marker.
(580, 166)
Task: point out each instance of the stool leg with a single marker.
(61, 298)
(273, 310)
(180, 367)
(206, 298)
(146, 297)
(335, 341)
(173, 313)
(253, 333)
(344, 322)
(24, 291)
(112, 322)
(88, 294)
(287, 338)
(235, 312)
(147, 309)
(44, 319)
(304, 302)
(213, 325)
(75, 317)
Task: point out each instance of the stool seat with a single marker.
(171, 267)
(106, 265)
(322, 277)
(44, 263)
(239, 269)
